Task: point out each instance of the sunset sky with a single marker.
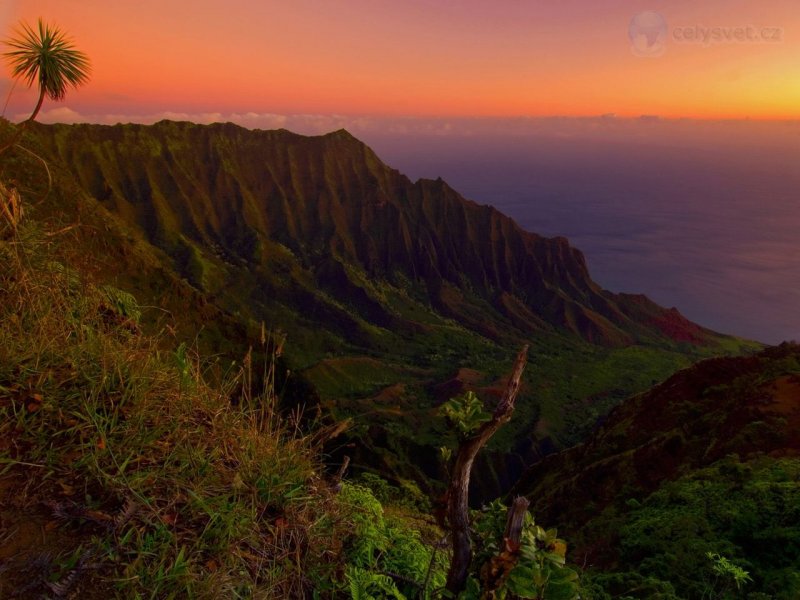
(411, 58)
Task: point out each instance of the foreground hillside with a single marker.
(386, 289)
(130, 469)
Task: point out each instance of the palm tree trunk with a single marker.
(38, 105)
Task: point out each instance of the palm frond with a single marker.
(46, 56)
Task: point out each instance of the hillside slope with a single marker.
(744, 406)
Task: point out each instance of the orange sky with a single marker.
(419, 58)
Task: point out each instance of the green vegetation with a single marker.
(726, 573)
(405, 496)
(729, 531)
(535, 569)
(386, 557)
(465, 412)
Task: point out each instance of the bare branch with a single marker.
(458, 490)
(516, 520)
(337, 481)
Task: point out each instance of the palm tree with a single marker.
(47, 57)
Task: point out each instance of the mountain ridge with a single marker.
(331, 195)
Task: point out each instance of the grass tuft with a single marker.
(10, 210)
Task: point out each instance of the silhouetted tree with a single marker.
(45, 56)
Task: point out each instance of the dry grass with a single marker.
(146, 480)
(10, 210)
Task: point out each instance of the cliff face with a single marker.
(251, 195)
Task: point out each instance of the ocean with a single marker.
(705, 222)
